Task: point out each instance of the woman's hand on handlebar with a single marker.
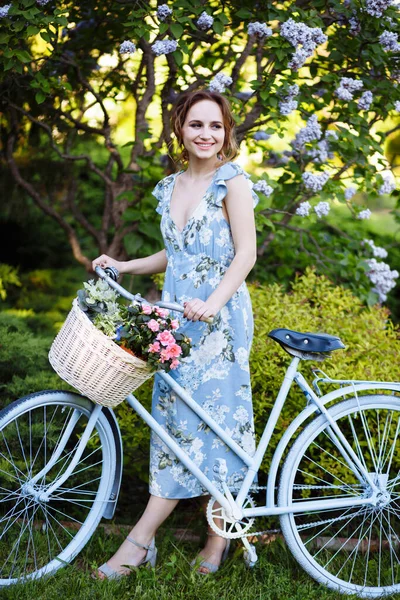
(104, 261)
(198, 310)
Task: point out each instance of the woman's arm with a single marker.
(155, 263)
(239, 206)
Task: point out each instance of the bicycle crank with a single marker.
(226, 525)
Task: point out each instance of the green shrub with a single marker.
(315, 304)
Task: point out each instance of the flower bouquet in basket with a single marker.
(145, 331)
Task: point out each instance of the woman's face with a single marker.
(203, 131)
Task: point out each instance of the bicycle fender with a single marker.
(112, 503)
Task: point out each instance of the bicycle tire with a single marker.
(38, 537)
(354, 550)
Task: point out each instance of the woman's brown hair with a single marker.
(180, 110)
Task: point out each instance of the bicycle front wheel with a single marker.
(353, 550)
(39, 535)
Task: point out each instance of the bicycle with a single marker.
(337, 496)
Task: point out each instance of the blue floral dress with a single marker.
(216, 373)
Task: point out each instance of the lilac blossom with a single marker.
(127, 47)
(382, 278)
(376, 8)
(312, 131)
(365, 214)
(164, 47)
(205, 21)
(261, 136)
(315, 181)
(303, 209)
(377, 251)
(321, 153)
(287, 104)
(220, 82)
(163, 12)
(42, 2)
(300, 34)
(260, 30)
(244, 95)
(4, 10)
(355, 25)
(322, 209)
(331, 133)
(347, 87)
(389, 41)
(397, 105)
(349, 192)
(387, 186)
(365, 101)
(263, 187)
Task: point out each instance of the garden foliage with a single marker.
(314, 89)
(314, 304)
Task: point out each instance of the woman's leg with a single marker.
(215, 544)
(157, 510)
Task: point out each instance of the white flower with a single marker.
(364, 214)
(377, 251)
(164, 47)
(247, 442)
(312, 131)
(322, 209)
(261, 136)
(389, 41)
(349, 192)
(303, 209)
(376, 8)
(242, 357)
(205, 21)
(4, 10)
(387, 186)
(241, 415)
(163, 12)
(205, 235)
(315, 181)
(220, 82)
(258, 29)
(365, 101)
(127, 47)
(263, 187)
(382, 278)
(347, 87)
(287, 106)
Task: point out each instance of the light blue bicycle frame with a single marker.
(316, 404)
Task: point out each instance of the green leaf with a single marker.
(4, 37)
(46, 36)
(176, 30)
(178, 56)
(32, 30)
(244, 13)
(40, 97)
(23, 56)
(218, 27)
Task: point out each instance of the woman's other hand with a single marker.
(104, 261)
(198, 310)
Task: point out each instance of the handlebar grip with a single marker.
(110, 274)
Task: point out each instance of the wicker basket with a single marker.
(92, 363)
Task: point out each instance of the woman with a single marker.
(210, 247)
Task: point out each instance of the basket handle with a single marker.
(110, 274)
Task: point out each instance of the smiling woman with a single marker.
(207, 223)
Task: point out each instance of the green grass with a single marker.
(275, 576)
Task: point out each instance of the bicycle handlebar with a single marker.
(137, 297)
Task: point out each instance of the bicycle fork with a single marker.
(43, 496)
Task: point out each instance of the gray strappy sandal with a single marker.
(150, 558)
(210, 566)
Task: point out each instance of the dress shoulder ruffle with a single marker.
(226, 172)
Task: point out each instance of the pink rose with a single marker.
(175, 363)
(154, 347)
(165, 337)
(153, 325)
(174, 323)
(147, 309)
(164, 355)
(174, 350)
(162, 312)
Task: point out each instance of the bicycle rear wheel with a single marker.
(39, 536)
(353, 550)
